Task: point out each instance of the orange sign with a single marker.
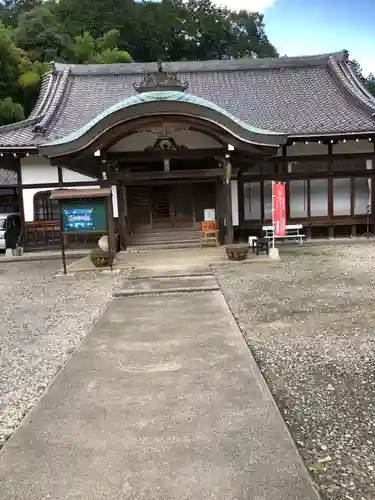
(278, 208)
(208, 226)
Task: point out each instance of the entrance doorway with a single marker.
(170, 206)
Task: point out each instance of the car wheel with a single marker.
(2, 250)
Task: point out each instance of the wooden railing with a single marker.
(46, 234)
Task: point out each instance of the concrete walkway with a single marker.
(162, 401)
(167, 259)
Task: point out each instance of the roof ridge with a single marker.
(54, 101)
(20, 124)
(45, 88)
(356, 95)
(204, 66)
(359, 85)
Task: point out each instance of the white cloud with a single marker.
(251, 5)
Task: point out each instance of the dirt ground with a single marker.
(310, 321)
(43, 317)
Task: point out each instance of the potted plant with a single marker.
(100, 255)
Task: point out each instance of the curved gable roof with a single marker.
(298, 96)
(157, 103)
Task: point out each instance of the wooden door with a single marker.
(161, 207)
(183, 208)
(204, 197)
(139, 209)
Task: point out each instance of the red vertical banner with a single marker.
(278, 208)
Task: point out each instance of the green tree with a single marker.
(371, 83)
(356, 67)
(39, 33)
(83, 48)
(17, 91)
(249, 36)
(197, 29)
(10, 10)
(368, 82)
(103, 50)
(98, 17)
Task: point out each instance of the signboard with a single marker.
(209, 214)
(84, 215)
(278, 208)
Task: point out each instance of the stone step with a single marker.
(181, 284)
(164, 237)
(167, 230)
(162, 241)
(163, 246)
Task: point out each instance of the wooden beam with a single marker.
(9, 162)
(151, 156)
(161, 175)
(247, 162)
(322, 174)
(41, 185)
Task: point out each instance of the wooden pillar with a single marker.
(241, 200)
(228, 197)
(221, 202)
(60, 175)
(121, 200)
(20, 202)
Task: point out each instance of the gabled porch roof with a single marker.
(99, 130)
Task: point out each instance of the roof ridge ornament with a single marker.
(160, 81)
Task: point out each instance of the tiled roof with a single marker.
(7, 177)
(312, 95)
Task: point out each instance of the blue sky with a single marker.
(298, 27)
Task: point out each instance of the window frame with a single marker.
(45, 206)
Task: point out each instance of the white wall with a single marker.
(28, 199)
(114, 201)
(189, 138)
(71, 176)
(234, 190)
(36, 169)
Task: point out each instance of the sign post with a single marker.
(85, 211)
(278, 210)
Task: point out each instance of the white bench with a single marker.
(292, 233)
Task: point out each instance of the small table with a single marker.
(260, 244)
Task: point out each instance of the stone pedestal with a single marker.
(237, 252)
(273, 253)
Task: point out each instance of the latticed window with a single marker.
(44, 207)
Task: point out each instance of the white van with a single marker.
(10, 230)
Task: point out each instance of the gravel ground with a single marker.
(310, 321)
(43, 317)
